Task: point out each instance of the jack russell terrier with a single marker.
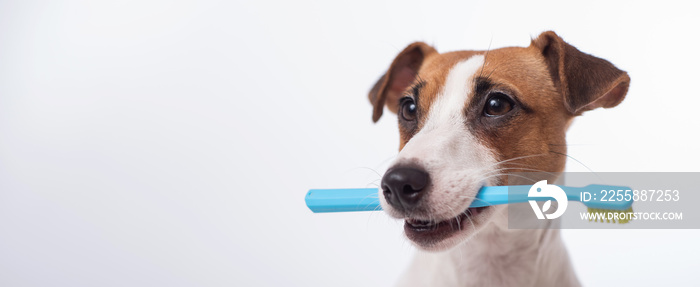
(468, 119)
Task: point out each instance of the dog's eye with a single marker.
(408, 109)
(498, 104)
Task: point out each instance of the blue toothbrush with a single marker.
(366, 199)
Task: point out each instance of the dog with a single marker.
(468, 119)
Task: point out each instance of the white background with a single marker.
(147, 143)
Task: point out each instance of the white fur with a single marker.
(448, 109)
(456, 161)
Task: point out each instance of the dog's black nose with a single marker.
(404, 186)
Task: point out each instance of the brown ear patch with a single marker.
(374, 92)
(401, 74)
(586, 82)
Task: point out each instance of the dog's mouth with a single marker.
(429, 233)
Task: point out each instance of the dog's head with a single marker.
(469, 118)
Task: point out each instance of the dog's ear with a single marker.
(401, 74)
(585, 81)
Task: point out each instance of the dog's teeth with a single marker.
(418, 222)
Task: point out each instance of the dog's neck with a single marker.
(497, 256)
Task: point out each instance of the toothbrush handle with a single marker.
(343, 200)
(367, 199)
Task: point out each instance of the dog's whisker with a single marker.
(470, 219)
(576, 160)
(513, 159)
(374, 182)
(486, 55)
(511, 174)
(493, 70)
(387, 159)
(459, 227)
(366, 168)
(525, 169)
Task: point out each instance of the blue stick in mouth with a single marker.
(367, 199)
